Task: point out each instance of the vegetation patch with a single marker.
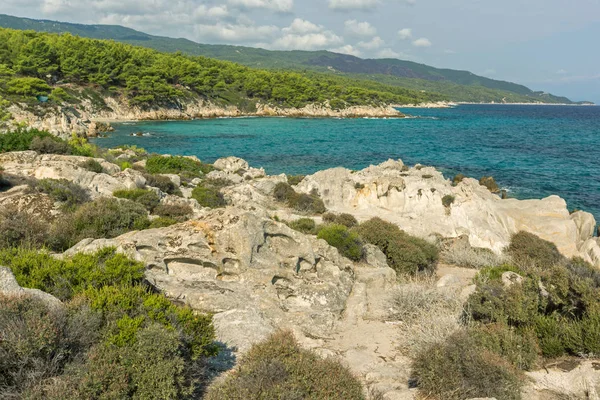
(346, 241)
(284, 193)
(405, 253)
(279, 368)
(177, 212)
(164, 183)
(208, 196)
(148, 198)
(93, 166)
(347, 220)
(112, 324)
(184, 166)
(68, 193)
(448, 200)
(304, 225)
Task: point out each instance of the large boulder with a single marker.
(10, 287)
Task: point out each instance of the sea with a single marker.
(532, 151)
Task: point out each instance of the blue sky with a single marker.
(547, 45)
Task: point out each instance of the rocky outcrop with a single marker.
(52, 166)
(412, 199)
(249, 270)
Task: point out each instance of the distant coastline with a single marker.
(450, 104)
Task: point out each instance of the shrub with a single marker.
(177, 165)
(32, 347)
(178, 212)
(92, 165)
(304, 225)
(460, 369)
(458, 178)
(279, 369)
(347, 220)
(49, 145)
(165, 184)
(528, 250)
(405, 253)
(19, 228)
(81, 147)
(294, 179)
(520, 348)
(448, 200)
(28, 86)
(65, 278)
(162, 222)
(117, 339)
(347, 242)
(283, 192)
(472, 257)
(64, 191)
(148, 198)
(490, 183)
(102, 218)
(208, 196)
(21, 139)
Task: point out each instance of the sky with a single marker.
(549, 45)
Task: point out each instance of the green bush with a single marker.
(49, 145)
(304, 225)
(283, 192)
(92, 165)
(64, 191)
(458, 178)
(520, 348)
(208, 196)
(28, 86)
(448, 200)
(148, 198)
(177, 165)
(405, 253)
(346, 241)
(279, 368)
(528, 250)
(162, 222)
(102, 218)
(65, 278)
(19, 228)
(178, 212)
(21, 139)
(118, 337)
(165, 184)
(459, 369)
(347, 220)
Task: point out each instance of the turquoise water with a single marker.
(533, 151)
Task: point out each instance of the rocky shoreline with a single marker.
(85, 118)
(245, 264)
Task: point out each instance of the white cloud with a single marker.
(489, 71)
(411, 2)
(561, 72)
(372, 44)
(310, 41)
(235, 33)
(388, 53)
(449, 51)
(275, 5)
(405, 33)
(348, 49)
(304, 35)
(301, 26)
(360, 29)
(422, 42)
(353, 4)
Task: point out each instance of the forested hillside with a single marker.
(59, 66)
(452, 84)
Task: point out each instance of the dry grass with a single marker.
(426, 314)
(473, 257)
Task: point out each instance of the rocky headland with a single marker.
(246, 266)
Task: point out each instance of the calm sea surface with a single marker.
(533, 151)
